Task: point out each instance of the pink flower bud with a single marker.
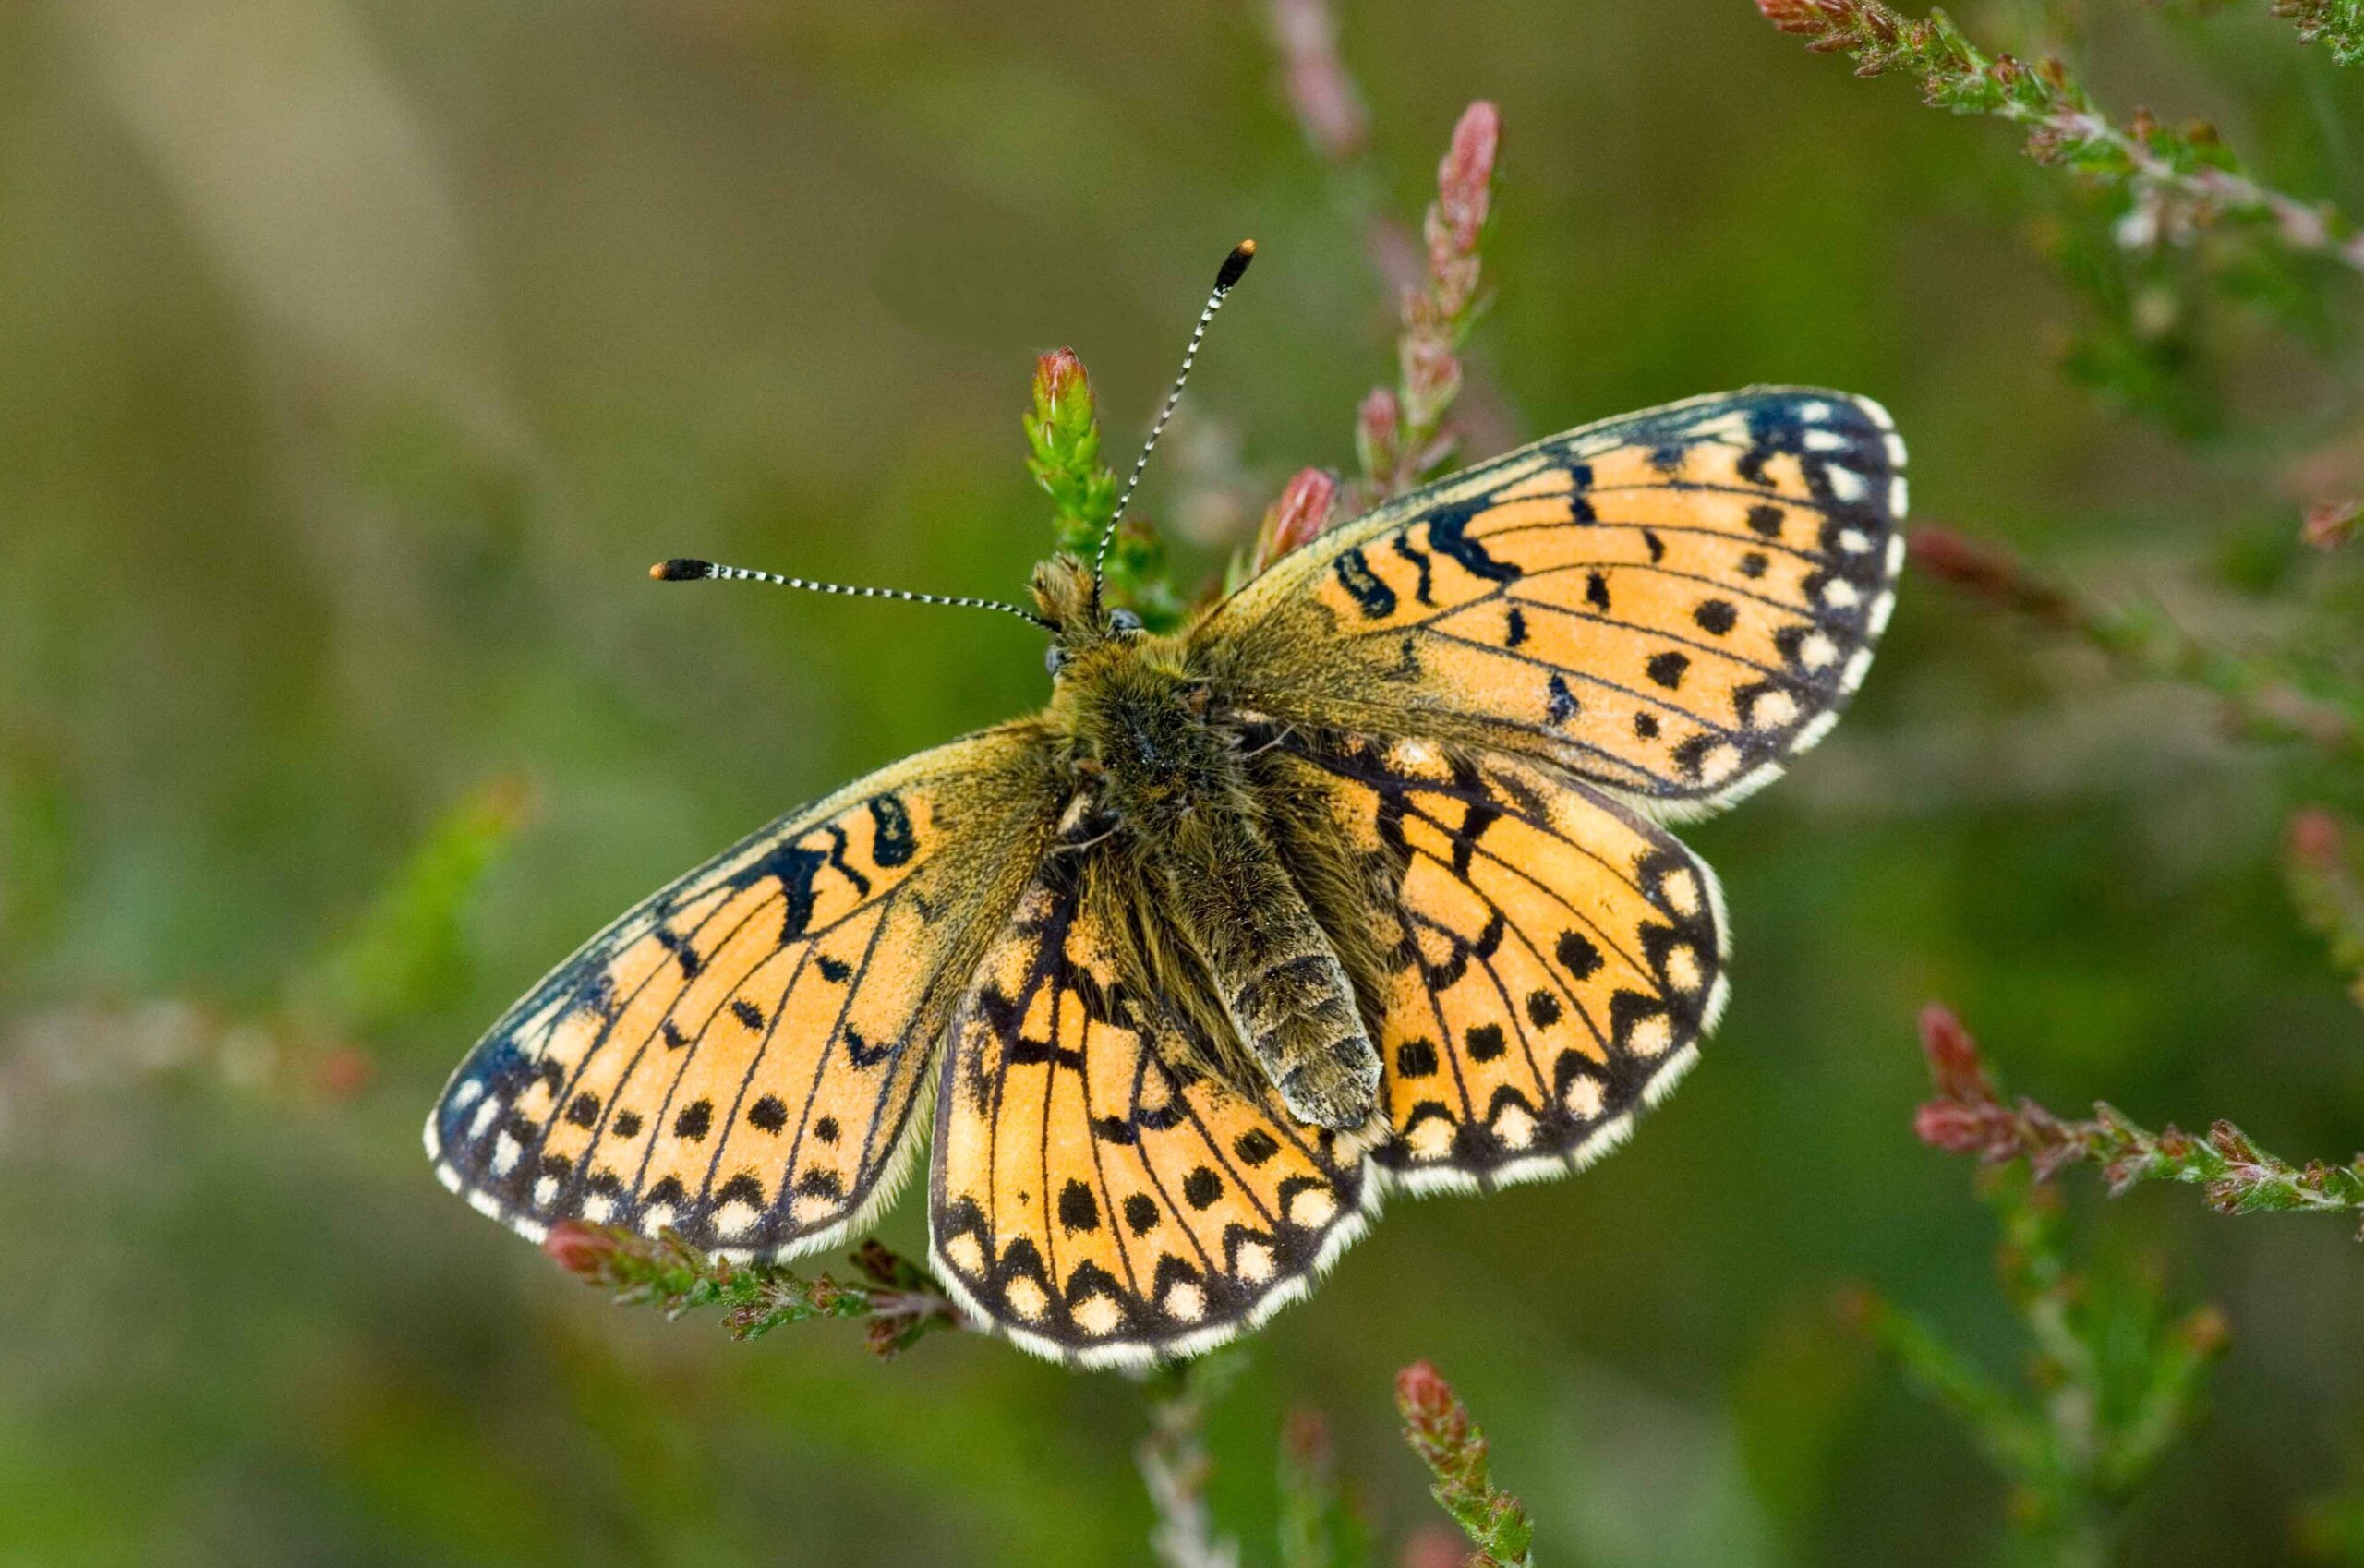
(1297, 518)
(1379, 432)
(2314, 839)
(1956, 1128)
(1465, 176)
(583, 1250)
(2331, 524)
(1058, 380)
(1954, 1063)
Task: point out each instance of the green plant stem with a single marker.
(1063, 453)
(2113, 1381)
(1175, 1463)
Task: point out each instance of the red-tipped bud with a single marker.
(1955, 1065)
(2331, 524)
(2314, 839)
(1422, 1394)
(1956, 1128)
(1059, 379)
(583, 1250)
(1465, 175)
(1434, 1418)
(1299, 517)
(1379, 432)
(1809, 18)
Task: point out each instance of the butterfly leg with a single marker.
(1278, 978)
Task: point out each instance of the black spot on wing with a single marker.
(1448, 534)
(1373, 597)
(893, 843)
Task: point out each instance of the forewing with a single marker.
(1095, 1193)
(738, 1056)
(1669, 604)
(1558, 956)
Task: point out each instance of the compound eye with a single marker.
(1055, 658)
(1124, 620)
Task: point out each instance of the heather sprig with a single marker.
(900, 1303)
(1438, 1427)
(2337, 25)
(1400, 432)
(2178, 180)
(1175, 1463)
(1063, 453)
(1969, 1116)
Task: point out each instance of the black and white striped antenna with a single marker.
(685, 569)
(1235, 267)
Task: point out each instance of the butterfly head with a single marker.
(1083, 626)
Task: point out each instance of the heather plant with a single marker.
(319, 482)
(2115, 1373)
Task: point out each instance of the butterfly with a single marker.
(1362, 881)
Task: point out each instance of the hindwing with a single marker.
(736, 1057)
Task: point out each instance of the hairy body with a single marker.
(1197, 871)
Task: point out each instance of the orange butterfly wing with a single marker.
(1559, 956)
(1095, 1193)
(1669, 604)
(738, 1056)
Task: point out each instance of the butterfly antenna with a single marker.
(1235, 267)
(683, 569)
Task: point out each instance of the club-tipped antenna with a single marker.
(685, 569)
(1235, 267)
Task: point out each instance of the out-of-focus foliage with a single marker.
(357, 358)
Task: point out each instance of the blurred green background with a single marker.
(355, 359)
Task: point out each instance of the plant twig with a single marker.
(2337, 25)
(2180, 180)
(1175, 1463)
(900, 1305)
(1306, 506)
(1400, 433)
(1063, 453)
(1438, 1427)
(2141, 640)
(1968, 1116)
